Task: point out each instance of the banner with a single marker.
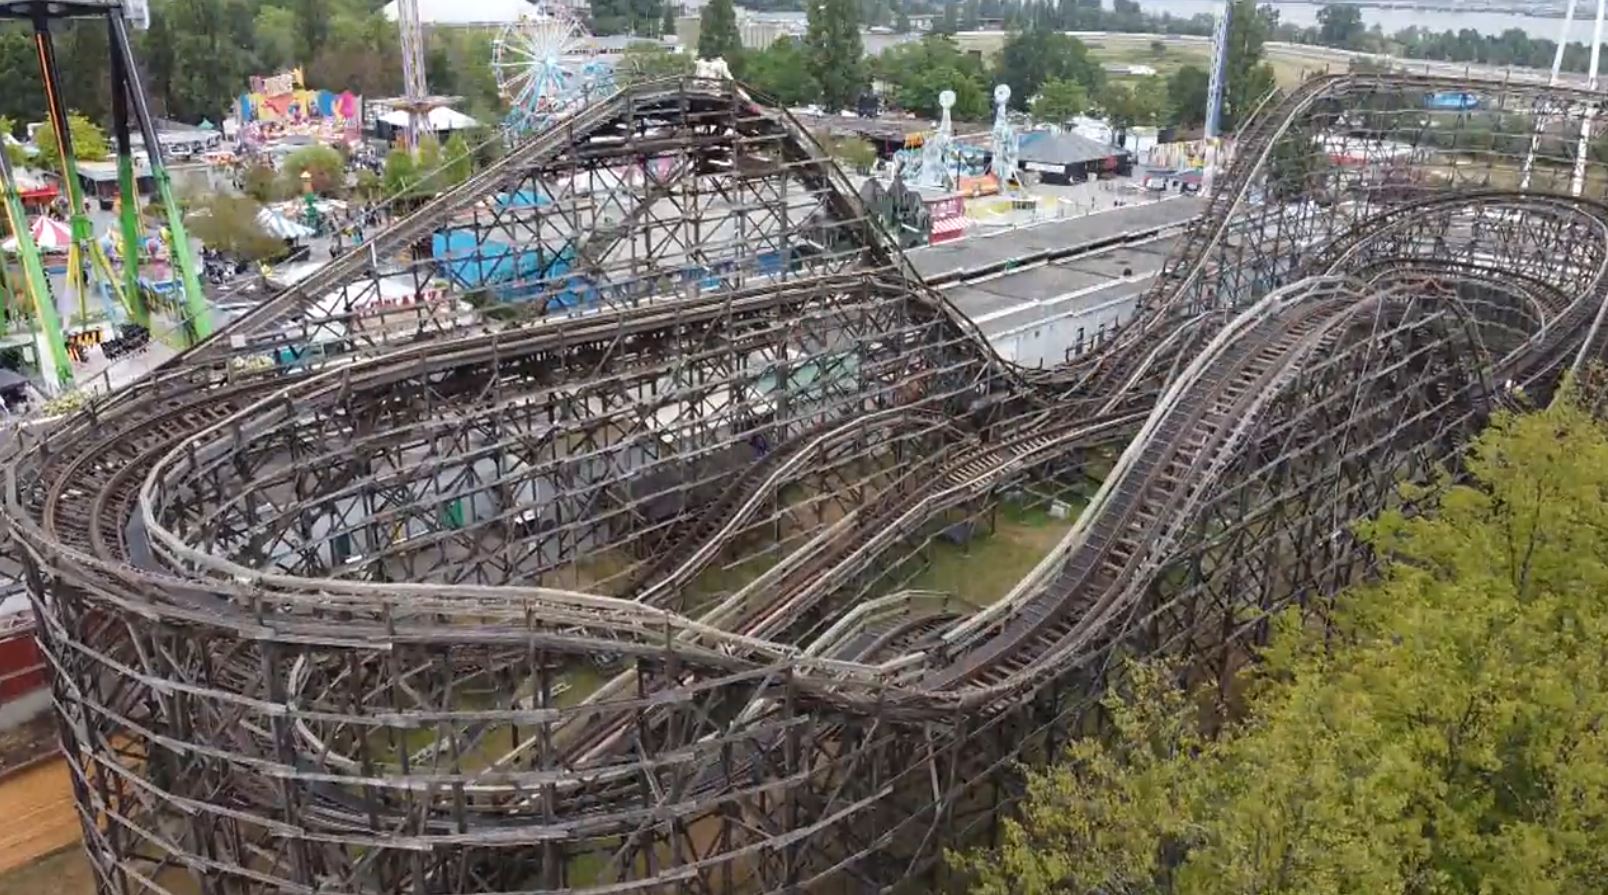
(284, 99)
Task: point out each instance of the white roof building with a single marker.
(441, 119)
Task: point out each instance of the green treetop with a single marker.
(835, 52)
(920, 70)
(717, 31)
(1444, 734)
(1249, 78)
(1031, 57)
(89, 142)
(1059, 100)
(1186, 95)
(782, 71)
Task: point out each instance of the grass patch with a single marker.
(983, 571)
(583, 680)
(1137, 51)
(720, 581)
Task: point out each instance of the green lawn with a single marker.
(1137, 51)
(983, 571)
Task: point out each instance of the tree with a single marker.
(326, 166)
(1059, 100)
(901, 21)
(1186, 96)
(89, 142)
(627, 16)
(835, 52)
(315, 21)
(261, 182)
(458, 63)
(14, 152)
(717, 31)
(1249, 79)
(645, 61)
(229, 224)
(782, 71)
(1031, 57)
(1340, 26)
(969, 16)
(401, 173)
(920, 70)
(460, 161)
(428, 163)
(275, 34)
(204, 64)
(876, 13)
(855, 154)
(1127, 106)
(667, 25)
(950, 23)
(1442, 734)
(23, 97)
(361, 54)
(83, 46)
(369, 188)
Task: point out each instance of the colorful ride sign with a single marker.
(284, 99)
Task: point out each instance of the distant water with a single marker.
(1393, 20)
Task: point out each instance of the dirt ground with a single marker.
(25, 743)
(40, 821)
(65, 872)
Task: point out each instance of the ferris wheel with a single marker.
(545, 68)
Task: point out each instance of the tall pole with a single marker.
(79, 254)
(54, 367)
(415, 91)
(1578, 182)
(1541, 116)
(1214, 94)
(198, 312)
(129, 192)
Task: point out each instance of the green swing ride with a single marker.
(85, 257)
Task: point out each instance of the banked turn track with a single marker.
(437, 615)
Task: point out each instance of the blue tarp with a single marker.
(522, 199)
(512, 274)
(1452, 100)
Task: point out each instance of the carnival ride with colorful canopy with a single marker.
(86, 258)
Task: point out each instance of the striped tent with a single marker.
(49, 235)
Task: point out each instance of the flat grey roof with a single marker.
(978, 254)
(1012, 300)
(1028, 314)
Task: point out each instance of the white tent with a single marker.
(280, 227)
(441, 119)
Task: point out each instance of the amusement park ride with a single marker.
(127, 97)
(544, 69)
(941, 161)
(129, 110)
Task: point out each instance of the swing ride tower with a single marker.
(129, 110)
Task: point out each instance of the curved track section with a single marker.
(615, 587)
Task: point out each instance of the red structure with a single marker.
(22, 668)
